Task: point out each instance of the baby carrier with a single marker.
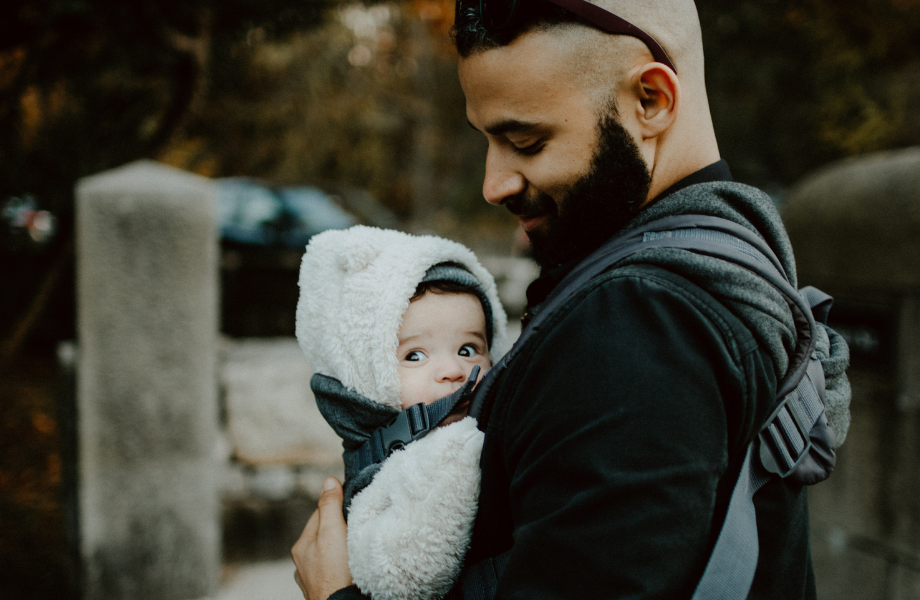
(795, 443)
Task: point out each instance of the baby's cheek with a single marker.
(484, 369)
(408, 390)
(409, 397)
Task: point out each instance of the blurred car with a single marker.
(253, 213)
(264, 229)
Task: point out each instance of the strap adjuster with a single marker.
(785, 439)
(407, 426)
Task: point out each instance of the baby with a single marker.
(388, 321)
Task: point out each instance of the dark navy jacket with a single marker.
(614, 439)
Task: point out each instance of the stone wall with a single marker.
(276, 450)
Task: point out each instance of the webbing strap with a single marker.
(710, 236)
(733, 562)
(730, 571)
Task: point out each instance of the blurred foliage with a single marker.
(794, 84)
(86, 85)
(366, 95)
(371, 100)
(33, 558)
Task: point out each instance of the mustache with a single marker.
(521, 206)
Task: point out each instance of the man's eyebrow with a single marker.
(506, 126)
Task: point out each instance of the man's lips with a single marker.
(531, 222)
(531, 213)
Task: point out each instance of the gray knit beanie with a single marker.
(456, 273)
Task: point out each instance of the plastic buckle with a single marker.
(780, 452)
(407, 426)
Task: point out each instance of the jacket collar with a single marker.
(543, 286)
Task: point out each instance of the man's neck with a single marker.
(696, 148)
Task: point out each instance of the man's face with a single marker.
(571, 175)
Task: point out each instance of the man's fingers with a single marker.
(307, 537)
(330, 505)
(321, 553)
(332, 495)
(309, 530)
(299, 581)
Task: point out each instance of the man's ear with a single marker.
(659, 99)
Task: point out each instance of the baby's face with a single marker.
(443, 336)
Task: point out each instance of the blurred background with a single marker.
(319, 114)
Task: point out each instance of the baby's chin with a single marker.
(455, 416)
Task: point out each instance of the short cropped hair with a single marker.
(470, 35)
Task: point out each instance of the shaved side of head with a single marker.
(598, 58)
(675, 24)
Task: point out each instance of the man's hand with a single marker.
(321, 553)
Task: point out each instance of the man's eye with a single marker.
(467, 350)
(529, 150)
(416, 356)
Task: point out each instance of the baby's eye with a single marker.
(468, 350)
(416, 356)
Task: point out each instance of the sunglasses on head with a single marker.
(499, 14)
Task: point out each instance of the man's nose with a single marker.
(502, 181)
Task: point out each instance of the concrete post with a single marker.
(855, 229)
(908, 362)
(147, 304)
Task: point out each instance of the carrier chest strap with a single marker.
(412, 424)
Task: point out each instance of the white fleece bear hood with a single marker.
(355, 287)
(409, 529)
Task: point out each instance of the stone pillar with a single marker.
(855, 229)
(147, 300)
(908, 362)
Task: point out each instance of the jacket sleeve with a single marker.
(613, 435)
(350, 593)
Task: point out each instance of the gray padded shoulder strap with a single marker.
(712, 236)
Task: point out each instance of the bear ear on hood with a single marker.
(355, 285)
(355, 257)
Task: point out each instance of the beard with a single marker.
(597, 206)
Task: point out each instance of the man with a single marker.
(615, 437)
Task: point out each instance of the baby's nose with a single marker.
(451, 371)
